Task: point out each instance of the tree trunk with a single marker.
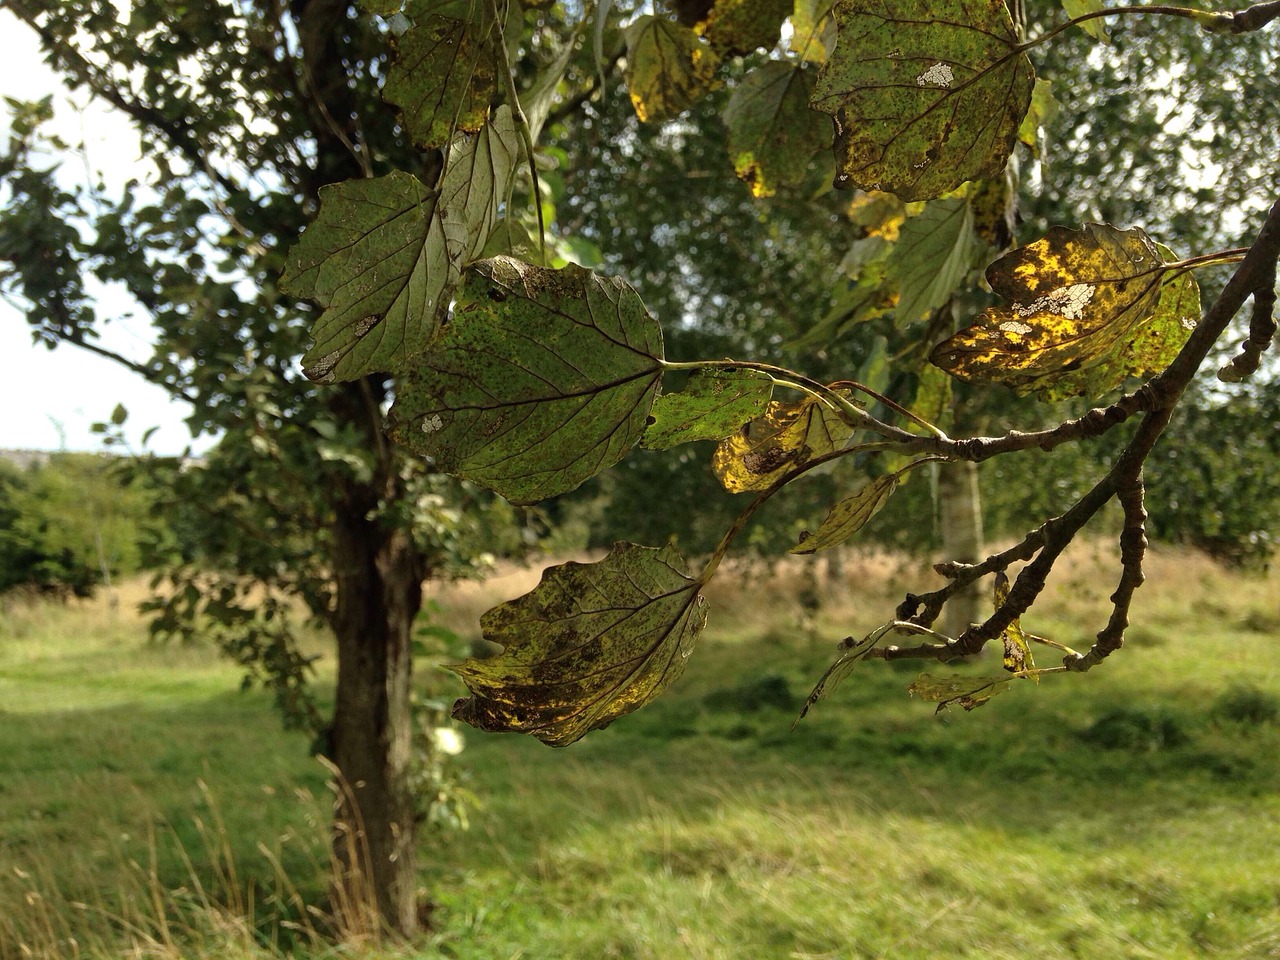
(960, 516)
(379, 575)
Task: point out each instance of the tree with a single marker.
(245, 112)
(529, 380)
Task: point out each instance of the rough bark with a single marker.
(379, 577)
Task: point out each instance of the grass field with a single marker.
(149, 809)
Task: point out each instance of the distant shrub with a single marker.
(1246, 705)
(1137, 730)
(769, 692)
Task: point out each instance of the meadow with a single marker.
(149, 808)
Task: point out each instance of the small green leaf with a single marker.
(542, 379)
(787, 437)
(967, 692)
(773, 133)
(1044, 107)
(376, 258)
(120, 414)
(933, 254)
(813, 31)
(712, 405)
(443, 78)
(926, 94)
(592, 643)
(668, 68)
(1094, 28)
(849, 515)
(1081, 317)
(854, 653)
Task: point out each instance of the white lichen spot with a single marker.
(921, 165)
(322, 370)
(1013, 326)
(366, 324)
(939, 75)
(432, 423)
(1068, 302)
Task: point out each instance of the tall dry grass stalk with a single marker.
(215, 913)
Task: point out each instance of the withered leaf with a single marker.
(593, 642)
(967, 692)
(1084, 313)
(788, 436)
(850, 515)
(1017, 652)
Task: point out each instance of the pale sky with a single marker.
(50, 398)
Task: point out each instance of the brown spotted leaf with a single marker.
(1084, 312)
(668, 68)
(591, 643)
(788, 436)
(925, 94)
(850, 515)
(712, 405)
(541, 379)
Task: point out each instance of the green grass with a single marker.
(1130, 812)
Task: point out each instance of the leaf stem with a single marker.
(1203, 17)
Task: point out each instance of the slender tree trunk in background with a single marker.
(379, 576)
(960, 516)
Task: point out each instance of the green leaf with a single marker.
(376, 258)
(712, 405)
(1094, 28)
(773, 133)
(813, 31)
(849, 515)
(787, 437)
(933, 254)
(476, 180)
(385, 255)
(1017, 651)
(120, 414)
(968, 692)
(510, 239)
(443, 78)
(1044, 107)
(739, 27)
(1082, 317)
(926, 94)
(854, 303)
(542, 379)
(668, 68)
(591, 643)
